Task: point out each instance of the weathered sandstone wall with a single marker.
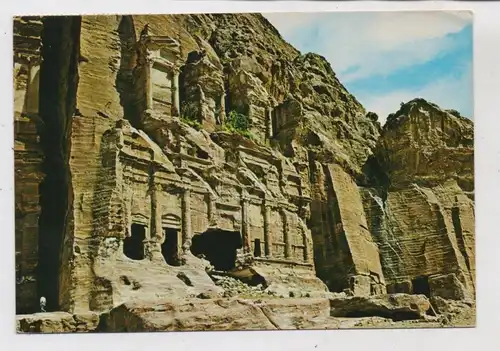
(423, 218)
(28, 156)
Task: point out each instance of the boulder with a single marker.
(57, 322)
(395, 306)
(186, 314)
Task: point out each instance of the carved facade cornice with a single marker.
(151, 46)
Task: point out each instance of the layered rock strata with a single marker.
(28, 158)
(423, 218)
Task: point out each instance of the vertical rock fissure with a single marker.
(125, 77)
(457, 225)
(58, 86)
(342, 262)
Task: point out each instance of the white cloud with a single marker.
(373, 42)
(288, 22)
(448, 92)
(364, 44)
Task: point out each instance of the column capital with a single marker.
(268, 203)
(149, 58)
(156, 186)
(186, 188)
(244, 195)
(211, 196)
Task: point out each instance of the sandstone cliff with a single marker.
(421, 214)
(152, 149)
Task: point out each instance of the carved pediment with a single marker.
(139, 218)
(171, 220)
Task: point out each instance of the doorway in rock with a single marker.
(257, 251)
(170, 246)
(133, 246)
(421, 286)
(218, 246)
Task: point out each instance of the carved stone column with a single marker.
(268, 245)
(211, 209)
(305, 241)
(269, 122)
(250, 113)
(244, 222)
(186, 215)
(156, 226)
(286, 235)
(306, 250)
(152, 242)
(175, 92)
(149, 80)
(222, 112)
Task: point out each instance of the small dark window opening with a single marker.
(421, 286)
(218, 247)
(217, 111)
(274, 122)
(201, 154)
(170, 246)
(257, 251)
(133, 246)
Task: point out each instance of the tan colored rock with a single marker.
(186, 315)
(421, 143)
(203, 92)
(28, 157)
(394, 306)
(309, 194)
(422, 217)
(57, 322)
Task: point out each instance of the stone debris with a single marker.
(235, 287)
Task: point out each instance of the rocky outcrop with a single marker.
(395, 311)
(175, 145)
(423, 144)
(57, 322)
(398, 310)
(422, 213)
(28, 155)
(186, 315)
(396, 307)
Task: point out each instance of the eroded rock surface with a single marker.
(394, 306)
(57, 322)
(157, 149)
(422, 213)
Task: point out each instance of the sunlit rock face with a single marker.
(151, 150)
(423, 216)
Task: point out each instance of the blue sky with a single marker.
(385, 58)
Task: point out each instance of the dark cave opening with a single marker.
(421, 286)
(57, 105)
(129, 76)
(257, 250)
(170, 246)
(218, 246)
(133, 246)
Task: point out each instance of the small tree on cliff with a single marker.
(238, 123)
